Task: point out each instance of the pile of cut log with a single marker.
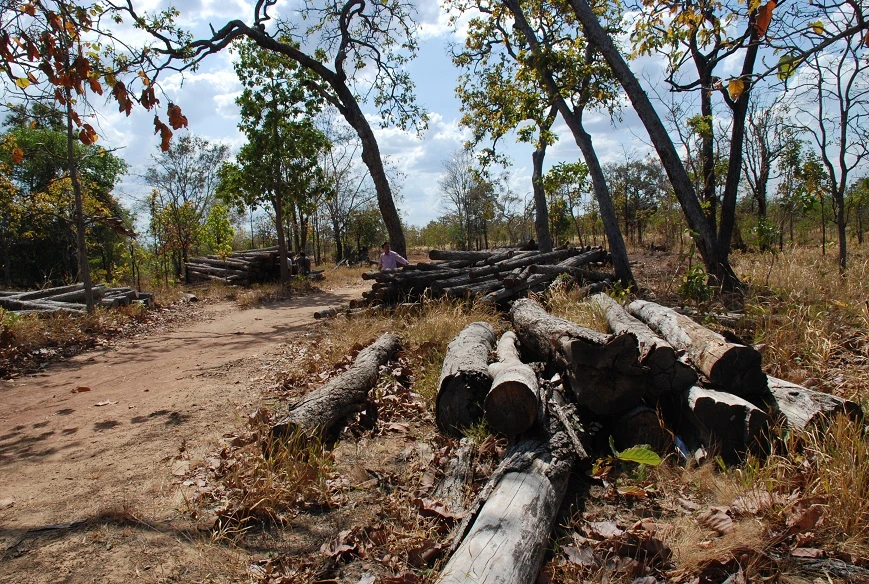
(559, 391)
(711, 394)
(71, 299)
(497, 276)
(242, 267)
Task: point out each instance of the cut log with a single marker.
(728, 424)
(465, 378)
(326, 313)
(321, 412)
(735, 368)
(510, 535)
(603, 370)
(521, 262)
(517, 276)
(452, 490)
(804, 408)
(667, 373)
(579, 274)
(440, 254)
(512, 403)
(638, 426)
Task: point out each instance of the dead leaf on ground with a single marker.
(807, 519)
(581, 556)
(603, 529)
(802, 552)
(717, 519)
(632, 491)
(367, 579)
(425, 555)
(433, 508)
(105, 403)
(81, 389)
(406, 578)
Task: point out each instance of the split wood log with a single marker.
(804, 408)
(507, 540)
(465, 378)
(512, 403)
(735, 368)
(728, 424)
(452, 490)
(604, 370)
(640, 425)
(321, 412)
(667, 373)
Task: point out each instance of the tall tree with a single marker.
(360, 49)
(834, 114)
(705, 29)
(185, 179)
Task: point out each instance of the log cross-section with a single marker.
(735, 368)
(604, 370)
(321, 412)
(804, 408)
(667, 373)
(465, 378)
(512, 403)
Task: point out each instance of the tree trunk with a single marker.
(278, 205)
(735, 368)
(465, 379)
(511, 404)
(320, 413)
(604, 371)
(717, 265)
(541, 209)
(84, 268)
(509, 536)
(804, 408)
(728, 424)
(667, 373)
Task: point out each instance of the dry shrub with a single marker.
(257, 489)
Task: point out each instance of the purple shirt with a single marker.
(390, 260)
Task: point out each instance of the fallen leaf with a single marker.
(583, 556)
(717, 519)
(689, 505)
(603, 529)
(367, 579)
(632, 491)
(406, 578)
(425, 555)
(802, 552)
(432, 508)
(807, 519)
(105, 403)
(81, 389)
(397, 427)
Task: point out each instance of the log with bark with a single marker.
(804, 408)
(321, 413)
(727, 424)
(465, 379)
(733, 367)
(512, 403)
(604, 370)
(506, 536)
(452, 489)
(667, 372)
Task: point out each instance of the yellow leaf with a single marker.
(817, 27)
(22, 82)
(632, 491)
(735, 88)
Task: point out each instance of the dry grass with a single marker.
(341, 276)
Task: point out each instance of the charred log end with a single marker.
(604, 392)
(511, 407)
(668, 373)
(458, 405)
(641, 425)
(730, 425)
(739, 372)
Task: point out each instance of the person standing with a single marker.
(389, 260)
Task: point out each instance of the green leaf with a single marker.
(786, 67)
(642, 454)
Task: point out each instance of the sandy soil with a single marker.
(89, 478)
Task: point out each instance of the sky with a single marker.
(207, 99)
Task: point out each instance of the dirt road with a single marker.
(89, 465)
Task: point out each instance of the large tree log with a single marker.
(512, 403)
(440, 254)
(465, 378)
(579, 274)
(735, 368)
(728, 424)
(47, 292)
(604, 370)
(508, 538)
(804, 408)
(667, 372)
(640, 425)
(321, 412)
(521, 262)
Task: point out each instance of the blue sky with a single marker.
(206, 97)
